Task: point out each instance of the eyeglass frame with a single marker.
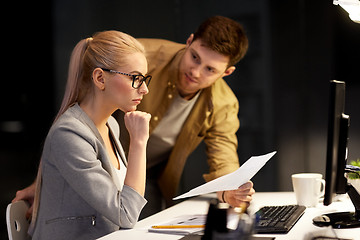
(144, 78)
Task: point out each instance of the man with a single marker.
(189, 103)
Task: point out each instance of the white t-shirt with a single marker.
(121, 173)
(164, 136)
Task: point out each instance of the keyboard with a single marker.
(278, 219)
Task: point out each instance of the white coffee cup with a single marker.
(308, 188)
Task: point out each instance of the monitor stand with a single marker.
(342, 219)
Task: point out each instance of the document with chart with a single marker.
(232, 180)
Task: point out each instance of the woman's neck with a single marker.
(97, 112)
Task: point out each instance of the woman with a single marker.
(85, 187)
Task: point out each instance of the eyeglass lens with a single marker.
(139, 79)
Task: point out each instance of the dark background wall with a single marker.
(296, 47)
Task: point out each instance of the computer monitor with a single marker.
(336, 157)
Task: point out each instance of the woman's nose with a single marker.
(144, 89)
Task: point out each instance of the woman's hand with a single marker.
(137, 123)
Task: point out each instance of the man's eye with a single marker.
(195, 58)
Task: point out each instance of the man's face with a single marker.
(200, 67)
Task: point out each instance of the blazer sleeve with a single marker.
(220, 139)
(77, 154)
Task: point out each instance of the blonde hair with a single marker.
(104, 50)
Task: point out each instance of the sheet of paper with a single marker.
(188, 220)
(232, 180)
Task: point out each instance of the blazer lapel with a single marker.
(83, 117)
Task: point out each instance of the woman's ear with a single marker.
(98, 78)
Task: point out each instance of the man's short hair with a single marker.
(224, 36)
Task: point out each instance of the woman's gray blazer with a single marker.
(79, 198)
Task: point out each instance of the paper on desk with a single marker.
(196, 219)
(232, 180)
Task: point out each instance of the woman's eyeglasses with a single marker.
(137, 79)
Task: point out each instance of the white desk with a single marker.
(199, 205)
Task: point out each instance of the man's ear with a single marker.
(98, 78)
(189, 40)
(229, 71)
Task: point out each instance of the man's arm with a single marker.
(221, 145)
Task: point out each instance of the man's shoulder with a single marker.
(222, 93)
(160, 53)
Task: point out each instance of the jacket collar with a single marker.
(84, 118)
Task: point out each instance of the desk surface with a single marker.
(199, 205)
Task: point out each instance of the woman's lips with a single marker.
(138, 100)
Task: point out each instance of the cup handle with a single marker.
(322, 187)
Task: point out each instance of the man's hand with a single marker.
(26, 194)
(239, 196)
